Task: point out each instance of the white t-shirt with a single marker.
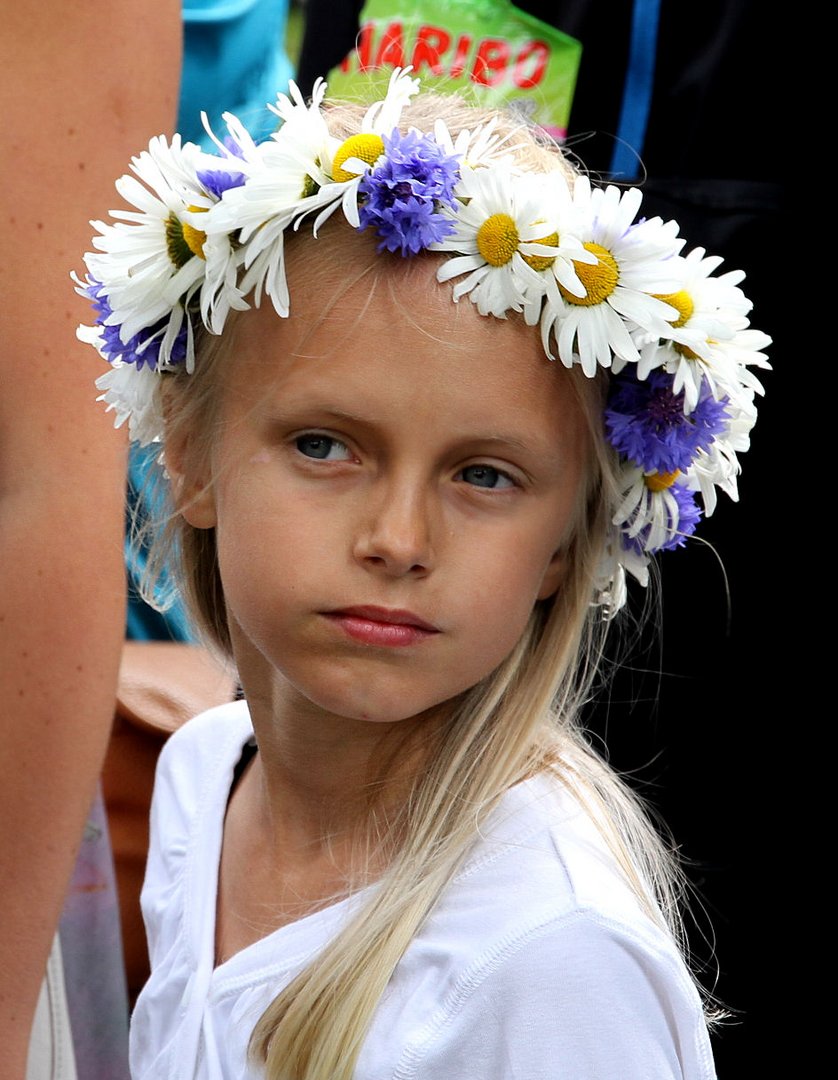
(536, 964)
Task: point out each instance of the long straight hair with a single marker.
(521, 720)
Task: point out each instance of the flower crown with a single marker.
(606, 289)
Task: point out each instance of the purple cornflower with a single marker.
(114, 349)
(217, 182)
(402, 195)
(646, 422)
(689, 515)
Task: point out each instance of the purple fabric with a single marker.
(91, 947)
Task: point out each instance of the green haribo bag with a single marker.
(487, 50)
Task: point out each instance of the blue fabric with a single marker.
(637, 94)
(234, 61)
(144, 623)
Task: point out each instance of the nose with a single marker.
(395, 537)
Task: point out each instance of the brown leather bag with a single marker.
(161, 685)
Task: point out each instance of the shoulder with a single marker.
(539, 954)
(602, 998)
(540, 856)
(191, 788)
(195, 767)
(201, 749)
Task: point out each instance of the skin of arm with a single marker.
(82, 89)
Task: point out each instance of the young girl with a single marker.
(399, 857)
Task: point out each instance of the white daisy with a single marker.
(238, 149)
(343, 164)
(300, 170)
(290, 164)
(632, 267)
(227, 171)
(220, 292)
(718, 466)
(356, 155)
(722, 364)
(504, 223)
(731, 361)
(151, 262)
(134, 396)
(567, 252)
(709, 339)
(283, 177)
(479, 148)
(649, 514)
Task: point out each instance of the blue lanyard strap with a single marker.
(637, 94)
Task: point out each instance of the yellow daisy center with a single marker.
(194, 239)
(662, 480)
(497, 239)
(542, 262)
(182, 240)
(368, 148)
(600, 278)
(683, 303)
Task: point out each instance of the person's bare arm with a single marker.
(82, 88)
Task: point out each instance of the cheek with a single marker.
(271, 557)
(501, 606)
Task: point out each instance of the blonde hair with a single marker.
(522, 719)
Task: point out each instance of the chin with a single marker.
(375, 711)
(373, 704)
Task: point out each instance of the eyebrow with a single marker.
(356, 418)
(500, 439)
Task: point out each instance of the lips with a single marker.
(387, 627)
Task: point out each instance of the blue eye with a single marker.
(322, 447)
(485, 476)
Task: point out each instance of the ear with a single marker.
(192, 490)
(553, 575)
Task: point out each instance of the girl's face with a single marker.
(392, 487)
